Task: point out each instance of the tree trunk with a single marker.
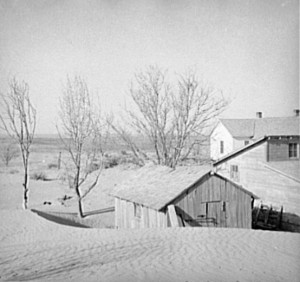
(80, 211)
(25, 189)
(80, 208)
(25, 198)
(79, 198)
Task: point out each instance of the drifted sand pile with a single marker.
(32, 248)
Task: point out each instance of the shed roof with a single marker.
(156, 186)
(259, 127)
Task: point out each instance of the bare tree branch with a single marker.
(19, 122)
(82, 135)
(8, 152)
(172, 118)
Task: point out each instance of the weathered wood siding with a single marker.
(271, 187)
(247, 161)
(215, 202)
(126, 217)
(278, 149)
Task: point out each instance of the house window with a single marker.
(234, 172)
(222, 147)
(293, 150)
(246, 142)
(137, 210)
(224, 206)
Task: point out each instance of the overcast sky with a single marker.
(250, 49)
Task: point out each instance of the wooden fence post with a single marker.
(59, 160)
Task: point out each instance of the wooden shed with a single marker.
(188, 196)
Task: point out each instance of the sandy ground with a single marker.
(33, 248)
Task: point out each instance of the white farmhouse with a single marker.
(229, 135)
(233, 134)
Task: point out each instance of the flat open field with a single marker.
(33, 248)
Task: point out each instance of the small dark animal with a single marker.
(66, 197)
(47, 203)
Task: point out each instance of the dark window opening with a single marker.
(293, 150)
(234, 172)
(224, 206)
(221, 147)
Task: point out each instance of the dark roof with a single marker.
(157, 186)
(260, 127)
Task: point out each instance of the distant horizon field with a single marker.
(52, 142)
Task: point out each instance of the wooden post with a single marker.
(173, 216)
(117, 212)
(59, 160)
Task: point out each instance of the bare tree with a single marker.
(128, 139)
(81, 135)
(19, 122)
(173, 118)
(8, 152)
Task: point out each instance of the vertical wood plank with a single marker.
(173, 216)
(152, 218)
(216, 188)
(223, 193)
(195, 203)
(117, 213)
(130, 215)
(122, 213)
(205, 195)
(190, 201)
(161, 219)
(146, 216)
(186, 205)
(230, 216)
(125, 213)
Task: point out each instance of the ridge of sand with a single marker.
(32, 248)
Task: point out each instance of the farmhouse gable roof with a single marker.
(257, 128)
(239, 127)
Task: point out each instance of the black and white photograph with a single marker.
(149, 140)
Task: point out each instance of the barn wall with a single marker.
(215, 202)
(125, 216)
(278, 149)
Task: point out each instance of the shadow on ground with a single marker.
(103, 218)
(57, 218)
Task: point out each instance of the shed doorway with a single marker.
(213, 214)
